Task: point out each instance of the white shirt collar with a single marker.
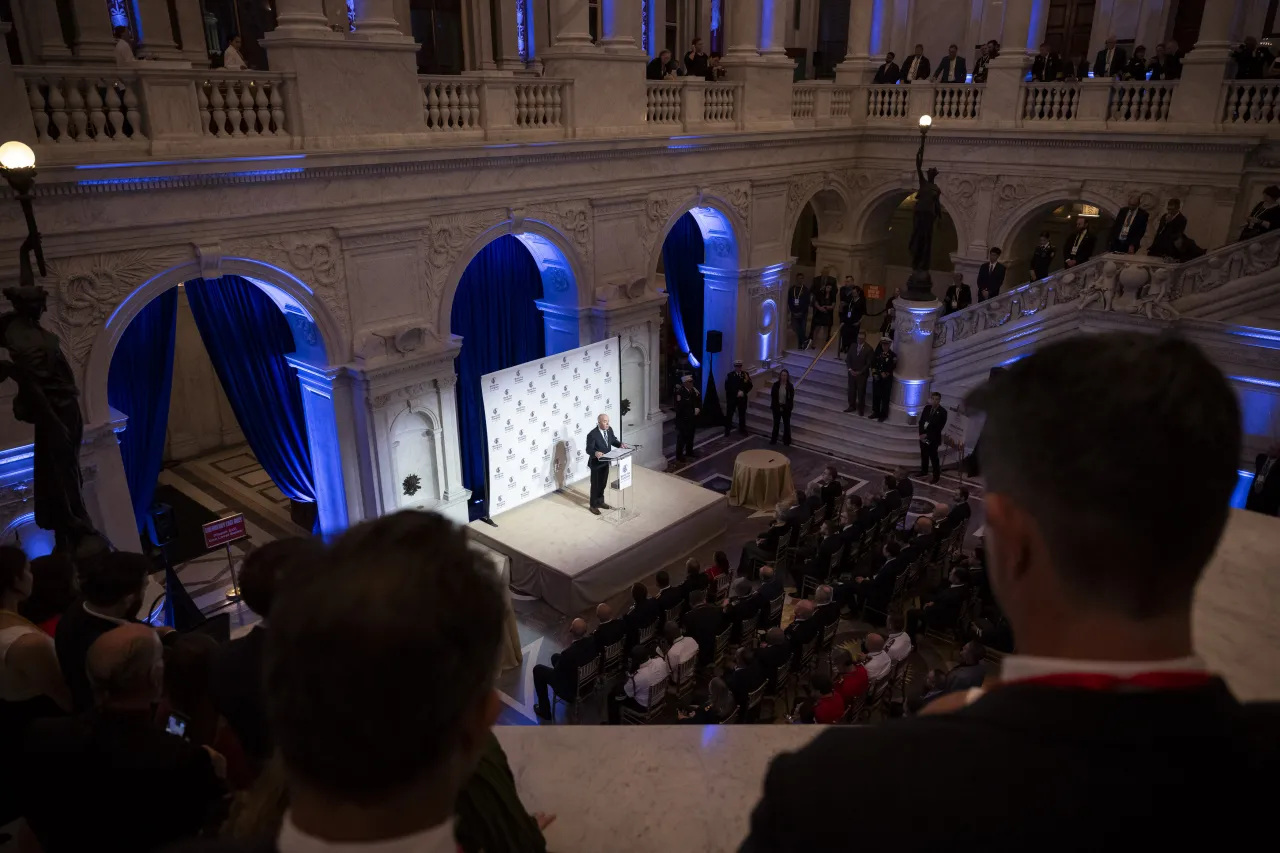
(437, 839)
(1019, 667)
(116, 619)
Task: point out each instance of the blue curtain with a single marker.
(248, 337)
(500, 326)
(682, 252)
(139, 384)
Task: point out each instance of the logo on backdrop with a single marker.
(542, 369)
(495, 416)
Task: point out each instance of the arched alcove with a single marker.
(1058, 218)
(886, 225)
(416, 459)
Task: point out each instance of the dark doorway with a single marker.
(437, 27)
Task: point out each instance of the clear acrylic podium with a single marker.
(624, 508)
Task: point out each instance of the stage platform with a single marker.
(572, 559)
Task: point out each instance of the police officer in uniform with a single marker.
(882, 367)
(824, 307)
(798, 309)
(737, 390)
(688, 407)
(853, 307)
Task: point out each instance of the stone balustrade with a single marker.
(956, 101)
(692, 105)
(1253, 104)
(1140, 101)
(1049, 102)
(461, 109)
(242, 105)
(77, 106)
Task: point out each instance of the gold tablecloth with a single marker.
(761, 478)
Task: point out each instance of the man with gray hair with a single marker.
(743, 604)
(826, 611)
(85, 777)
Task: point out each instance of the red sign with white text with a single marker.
(873, 291)
(224, 530)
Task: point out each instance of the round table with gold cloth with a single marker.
(761, 478)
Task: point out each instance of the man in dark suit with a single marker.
(951, 69)
(84, 777)
(818, 564)
(745, 677)
(770, 588)
(1129, 228)
(943, 608)
(703, 622)
(990, 276)
(1079, 246)
(743, 603)
(798, 311)
(933, 418)
(883, 363)
(562, 675)
(961, 510)
(888, 72)
(644, 612)
(958, 295)
(688, 406)
(823, 298)
(1105, 681)
(775, 651)
(1252, 60)
(1265, 216)
(737, 393)
(857, 362)
(668, 596)
(826, 609)
(874, 591)
(802, 630)
(916, 66)
(609, 630)
(1042, 256)
(971, 671)
(832, 488)
(1047, 66)
(853, 307)
(599, 442)
(1170, 227)
(1264, 491)
(1110, 61)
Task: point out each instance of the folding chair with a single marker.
(722, 646)
(684, 678)
(722, 587)
(747, 633)
(612, 657)
(673, 614)
(647, 636)
(754, 698)
(587, 674)
(656, 705)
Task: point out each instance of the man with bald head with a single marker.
(109, 779)
(609, 630)
(877, 662)
(562, 675)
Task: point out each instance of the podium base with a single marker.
(618, 515)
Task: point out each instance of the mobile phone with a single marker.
(176, 725)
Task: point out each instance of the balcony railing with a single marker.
(664, 103)
(1050, 101)
(1252, 102)
(693, 104)
(803, 96)
(957, 101)
(1140, 101)
(887, 102)
(462, 109)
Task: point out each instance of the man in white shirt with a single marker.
(680, 649)
(646, 671)
(232, 58)
(877, 662)
(124, 47)
(898, 645)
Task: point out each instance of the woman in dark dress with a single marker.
(782, 400)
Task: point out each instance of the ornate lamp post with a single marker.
(18, 163)
(928, 208)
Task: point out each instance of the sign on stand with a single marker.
(624, 473)
(873, 291)
(220, 534)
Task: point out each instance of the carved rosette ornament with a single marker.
(445, 237)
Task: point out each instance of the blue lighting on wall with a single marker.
(149, 163)
(1254, 380)
(118, 12)
(877, 30)
(766, 24)
(155, 179)
(1241, 493)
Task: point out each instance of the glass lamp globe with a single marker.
(926, 121)
(17, 155)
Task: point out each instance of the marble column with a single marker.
(1205, 67)
(913, 342)
(858, 66)
(191, 28)
(570, 23)
(44, 28)
(479, 31)
(376, 18)
(317, 386)
(94, 42)
(298, 17)
(507, 26)
(620, 24)
(744, 31)
(1024, 28)
(774, 20)
(155, 36)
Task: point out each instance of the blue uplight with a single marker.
(148, 163)
(155, 179)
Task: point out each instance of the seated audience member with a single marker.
(898, 643)
(852, 680)
(817, 562)
(877, 662)
(742, 604)
(188, 697)
(695, 579)
(383, 772)
(854, 521)
(764, 547)
(921, 542)
(719, 706)
(800, 511)
(85, 777)
(745, 676)
(112, 587)
(906, 489)
(935, 684)
(971, 671)
(644, 672)
(770, 590)
(237, 671)
(1106, 685)
(679, 649)
(828, 706)
(943, 610)
(609, 630)
(961, 511)
(774, 653)
(802, 630)
(644, 612)
(668, 596)
(826, 609)
(53, 590)
(832, 489)
(562, 675)
(942, 527)
(719, 568)
(874, 592)
(703, 622)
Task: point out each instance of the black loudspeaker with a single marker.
(160, 523)
(715, 341)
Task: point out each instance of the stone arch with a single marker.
(837, 201)
(1011, 224)
(563, 271)
(879, 204)
(716, 217)
(406, 461)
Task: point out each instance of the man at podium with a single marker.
(599, 441)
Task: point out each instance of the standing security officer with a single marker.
(737, 390)
(882, 367)
(853, 306)
(798, 311)
(688, 407)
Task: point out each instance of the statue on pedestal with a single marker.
(928, 209)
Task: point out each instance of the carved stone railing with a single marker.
(957, 101)
(1140, 101)
(461, 109)
(841, 101)
(239, 104)
(1229, 263)
(77, 106)
(541, 104)
(888, 102)
(1050, 101)
(451, 104)
(1250, 103)
(664, 102)
(803, 96)
(720, 103)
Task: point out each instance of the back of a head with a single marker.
(12, 563)
(113, 577)
(822, 595)
(766, 574)
(604, 612)
(697, 597)
(841, 658)
(188, 671)
(692, 567)
(125, 665)
(741, 587)
(875, 642)
(721, 559)
(639, 593)
(1127, 416)
(264, 568)
(53, 586)
(775, 636)
(896, 623)
(671, 631)
(804, 609)
(662, 579)
(381, 659)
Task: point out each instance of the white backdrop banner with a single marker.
(537, 417)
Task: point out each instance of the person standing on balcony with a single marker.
(124, 47)
(951, 69)
(695, 61)
(889, 72)
(824, 307)
(1252, 60)
(1129, 228)
(1042, 257)
(232, 58)
(1078, 69)
(882, 367)
(916, 66)
(1265, 216)
(1169, 231)
(990, 51)
(1110, 62)
(958, 296)
(1047, 66)
(990, 276)
(782, 399)
(798, 310)
(1136, 68)
(853, 307)
(1159, 63)
(1079, 246)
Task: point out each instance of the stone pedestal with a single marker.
(858, 67)
(156, 31)
(608, 88)
(913, 342)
